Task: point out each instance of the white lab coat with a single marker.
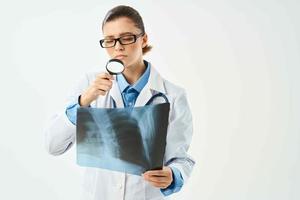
(101, 184)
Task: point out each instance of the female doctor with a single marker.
(124, 38)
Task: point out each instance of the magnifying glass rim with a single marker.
(114, 60)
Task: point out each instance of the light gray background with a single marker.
(238, 60)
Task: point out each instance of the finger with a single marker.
(104, 82)
(156, 173)
(159, 185)
(98, 92)
(157, 179)
(103, 87)
(150, 175)
(105, 76)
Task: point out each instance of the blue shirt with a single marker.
(131, 92)
(129, 96)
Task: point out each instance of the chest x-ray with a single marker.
(129, 140)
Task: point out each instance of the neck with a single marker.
(133, 73)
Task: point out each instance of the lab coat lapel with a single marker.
(144, 96)
(155, 83)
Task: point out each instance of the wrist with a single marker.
(82, 102)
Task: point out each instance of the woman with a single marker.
(125, 39)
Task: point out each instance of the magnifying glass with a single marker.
(115, 66)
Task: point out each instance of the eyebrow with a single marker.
(121, 34)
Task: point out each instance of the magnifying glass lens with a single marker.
(115, 66)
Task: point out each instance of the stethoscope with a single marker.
(115, 67)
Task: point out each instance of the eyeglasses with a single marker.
(124, 40)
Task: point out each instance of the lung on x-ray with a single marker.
(130, 140)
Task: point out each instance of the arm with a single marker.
(178, 165)
(179, 137)
(60, 132)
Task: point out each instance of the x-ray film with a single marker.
(130, 140)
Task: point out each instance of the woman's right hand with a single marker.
(101, 85)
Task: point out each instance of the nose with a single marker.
(119, 46)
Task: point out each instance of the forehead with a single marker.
(118, 26)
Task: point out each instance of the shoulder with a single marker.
(176, 95)
(179, 106)
(173, 89)
(159, 83)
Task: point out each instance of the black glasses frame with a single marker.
(118, 39)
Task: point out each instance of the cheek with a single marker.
(136, 50)
(109, 51)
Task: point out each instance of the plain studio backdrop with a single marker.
(238, 61)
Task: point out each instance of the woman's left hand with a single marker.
(159, 178)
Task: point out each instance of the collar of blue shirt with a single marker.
(138, 85)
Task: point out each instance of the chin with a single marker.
(124, 61)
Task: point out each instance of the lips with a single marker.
(120, 56)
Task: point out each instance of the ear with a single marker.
(144, 40)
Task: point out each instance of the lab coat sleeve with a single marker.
(60, 132)
(180, 130)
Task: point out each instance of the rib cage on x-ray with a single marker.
(115, 137)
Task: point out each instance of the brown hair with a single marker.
(129, 12)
